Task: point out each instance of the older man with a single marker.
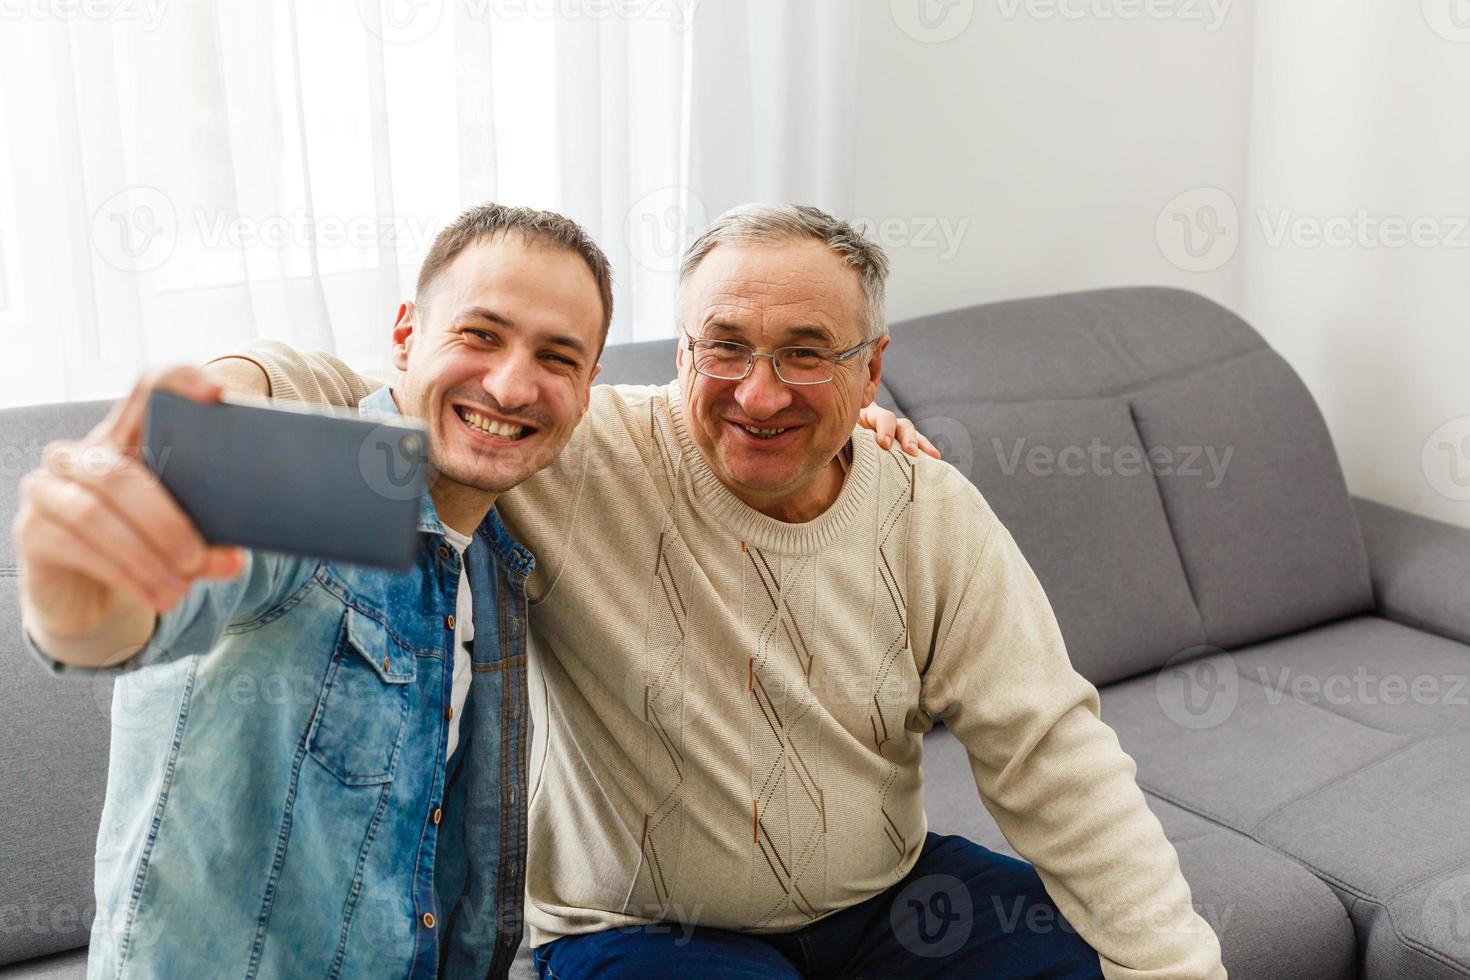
(746, 616)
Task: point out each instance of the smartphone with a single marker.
(304, 482)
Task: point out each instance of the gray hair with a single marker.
(767, 223)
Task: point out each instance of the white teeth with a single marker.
(763, 433)
(503, 429)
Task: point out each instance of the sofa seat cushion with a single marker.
(69, 965)
(1342, 748)
(1275, 920)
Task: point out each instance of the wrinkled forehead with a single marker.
(798, 291)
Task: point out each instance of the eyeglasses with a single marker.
(725, 360)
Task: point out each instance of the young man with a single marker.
(327, 775)
(742, 638)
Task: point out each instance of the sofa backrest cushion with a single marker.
(53, 756)
(1165, 472)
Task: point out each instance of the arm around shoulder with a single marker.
(280, 371)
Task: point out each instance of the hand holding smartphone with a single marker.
(289, 480)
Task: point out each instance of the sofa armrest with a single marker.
(1420, 569)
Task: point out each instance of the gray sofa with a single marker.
(1286, 664)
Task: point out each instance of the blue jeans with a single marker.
(963, 911)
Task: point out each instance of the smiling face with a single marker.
(498, 362)
(766, 296)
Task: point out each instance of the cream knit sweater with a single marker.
(730, 709)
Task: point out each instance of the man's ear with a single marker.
(403, 327)
(875, 371)
(587, 393)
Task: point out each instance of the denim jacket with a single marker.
(277, 797)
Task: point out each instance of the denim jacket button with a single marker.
(449, 621)
(438, 814)
(444, 552)
(428, 920)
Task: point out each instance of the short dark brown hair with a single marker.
(547, 227)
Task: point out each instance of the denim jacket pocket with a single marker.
(363, 709)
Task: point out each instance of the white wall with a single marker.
(1058, 140)
(1058, 136)
(1368, 130)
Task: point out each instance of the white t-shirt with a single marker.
(464, 632)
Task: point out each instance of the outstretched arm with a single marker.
(103, 548)
(271, 369)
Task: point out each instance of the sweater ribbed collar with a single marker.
(756, 528)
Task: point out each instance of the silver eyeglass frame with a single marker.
(840, 357)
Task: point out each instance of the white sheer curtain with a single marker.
(179, 178)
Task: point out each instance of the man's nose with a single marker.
(762, 395)
(511, 380)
